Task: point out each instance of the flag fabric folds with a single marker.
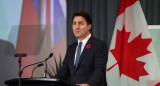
(132, 60)
(42, 31)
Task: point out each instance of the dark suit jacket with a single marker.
(91, 67)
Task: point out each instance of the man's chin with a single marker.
(77, 36)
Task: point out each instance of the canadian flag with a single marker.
(132, 60)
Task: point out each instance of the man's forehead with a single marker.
(78, 18)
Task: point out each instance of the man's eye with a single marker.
(81, 23)
(74, 24)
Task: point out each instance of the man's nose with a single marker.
(77, 26)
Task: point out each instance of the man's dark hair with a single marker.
(85, 15)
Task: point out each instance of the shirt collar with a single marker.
(84, 41)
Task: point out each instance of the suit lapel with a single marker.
(90, 41)
(73, 56)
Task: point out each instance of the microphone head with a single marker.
(20, 55)
(50, 55)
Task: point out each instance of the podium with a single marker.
(37, 82)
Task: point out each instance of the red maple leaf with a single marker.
(126, 54)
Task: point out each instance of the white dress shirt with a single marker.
(84, 41)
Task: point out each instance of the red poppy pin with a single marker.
(88, 46)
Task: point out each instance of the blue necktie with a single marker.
(78, 53)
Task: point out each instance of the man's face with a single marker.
(80, 27)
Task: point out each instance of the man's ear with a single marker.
(89, 26)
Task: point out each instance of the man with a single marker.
(85, 60)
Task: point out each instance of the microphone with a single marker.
(45, 72)
(39, 65)
(21, 72)
(50, 55)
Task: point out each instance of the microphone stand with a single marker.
(21, 72)
(19, 62)
(33, 71)
(45, 72)
(39, 65)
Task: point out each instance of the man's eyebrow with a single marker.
(78, 21)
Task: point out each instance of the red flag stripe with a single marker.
(28, 24)
(48, 12)
(29, 15)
